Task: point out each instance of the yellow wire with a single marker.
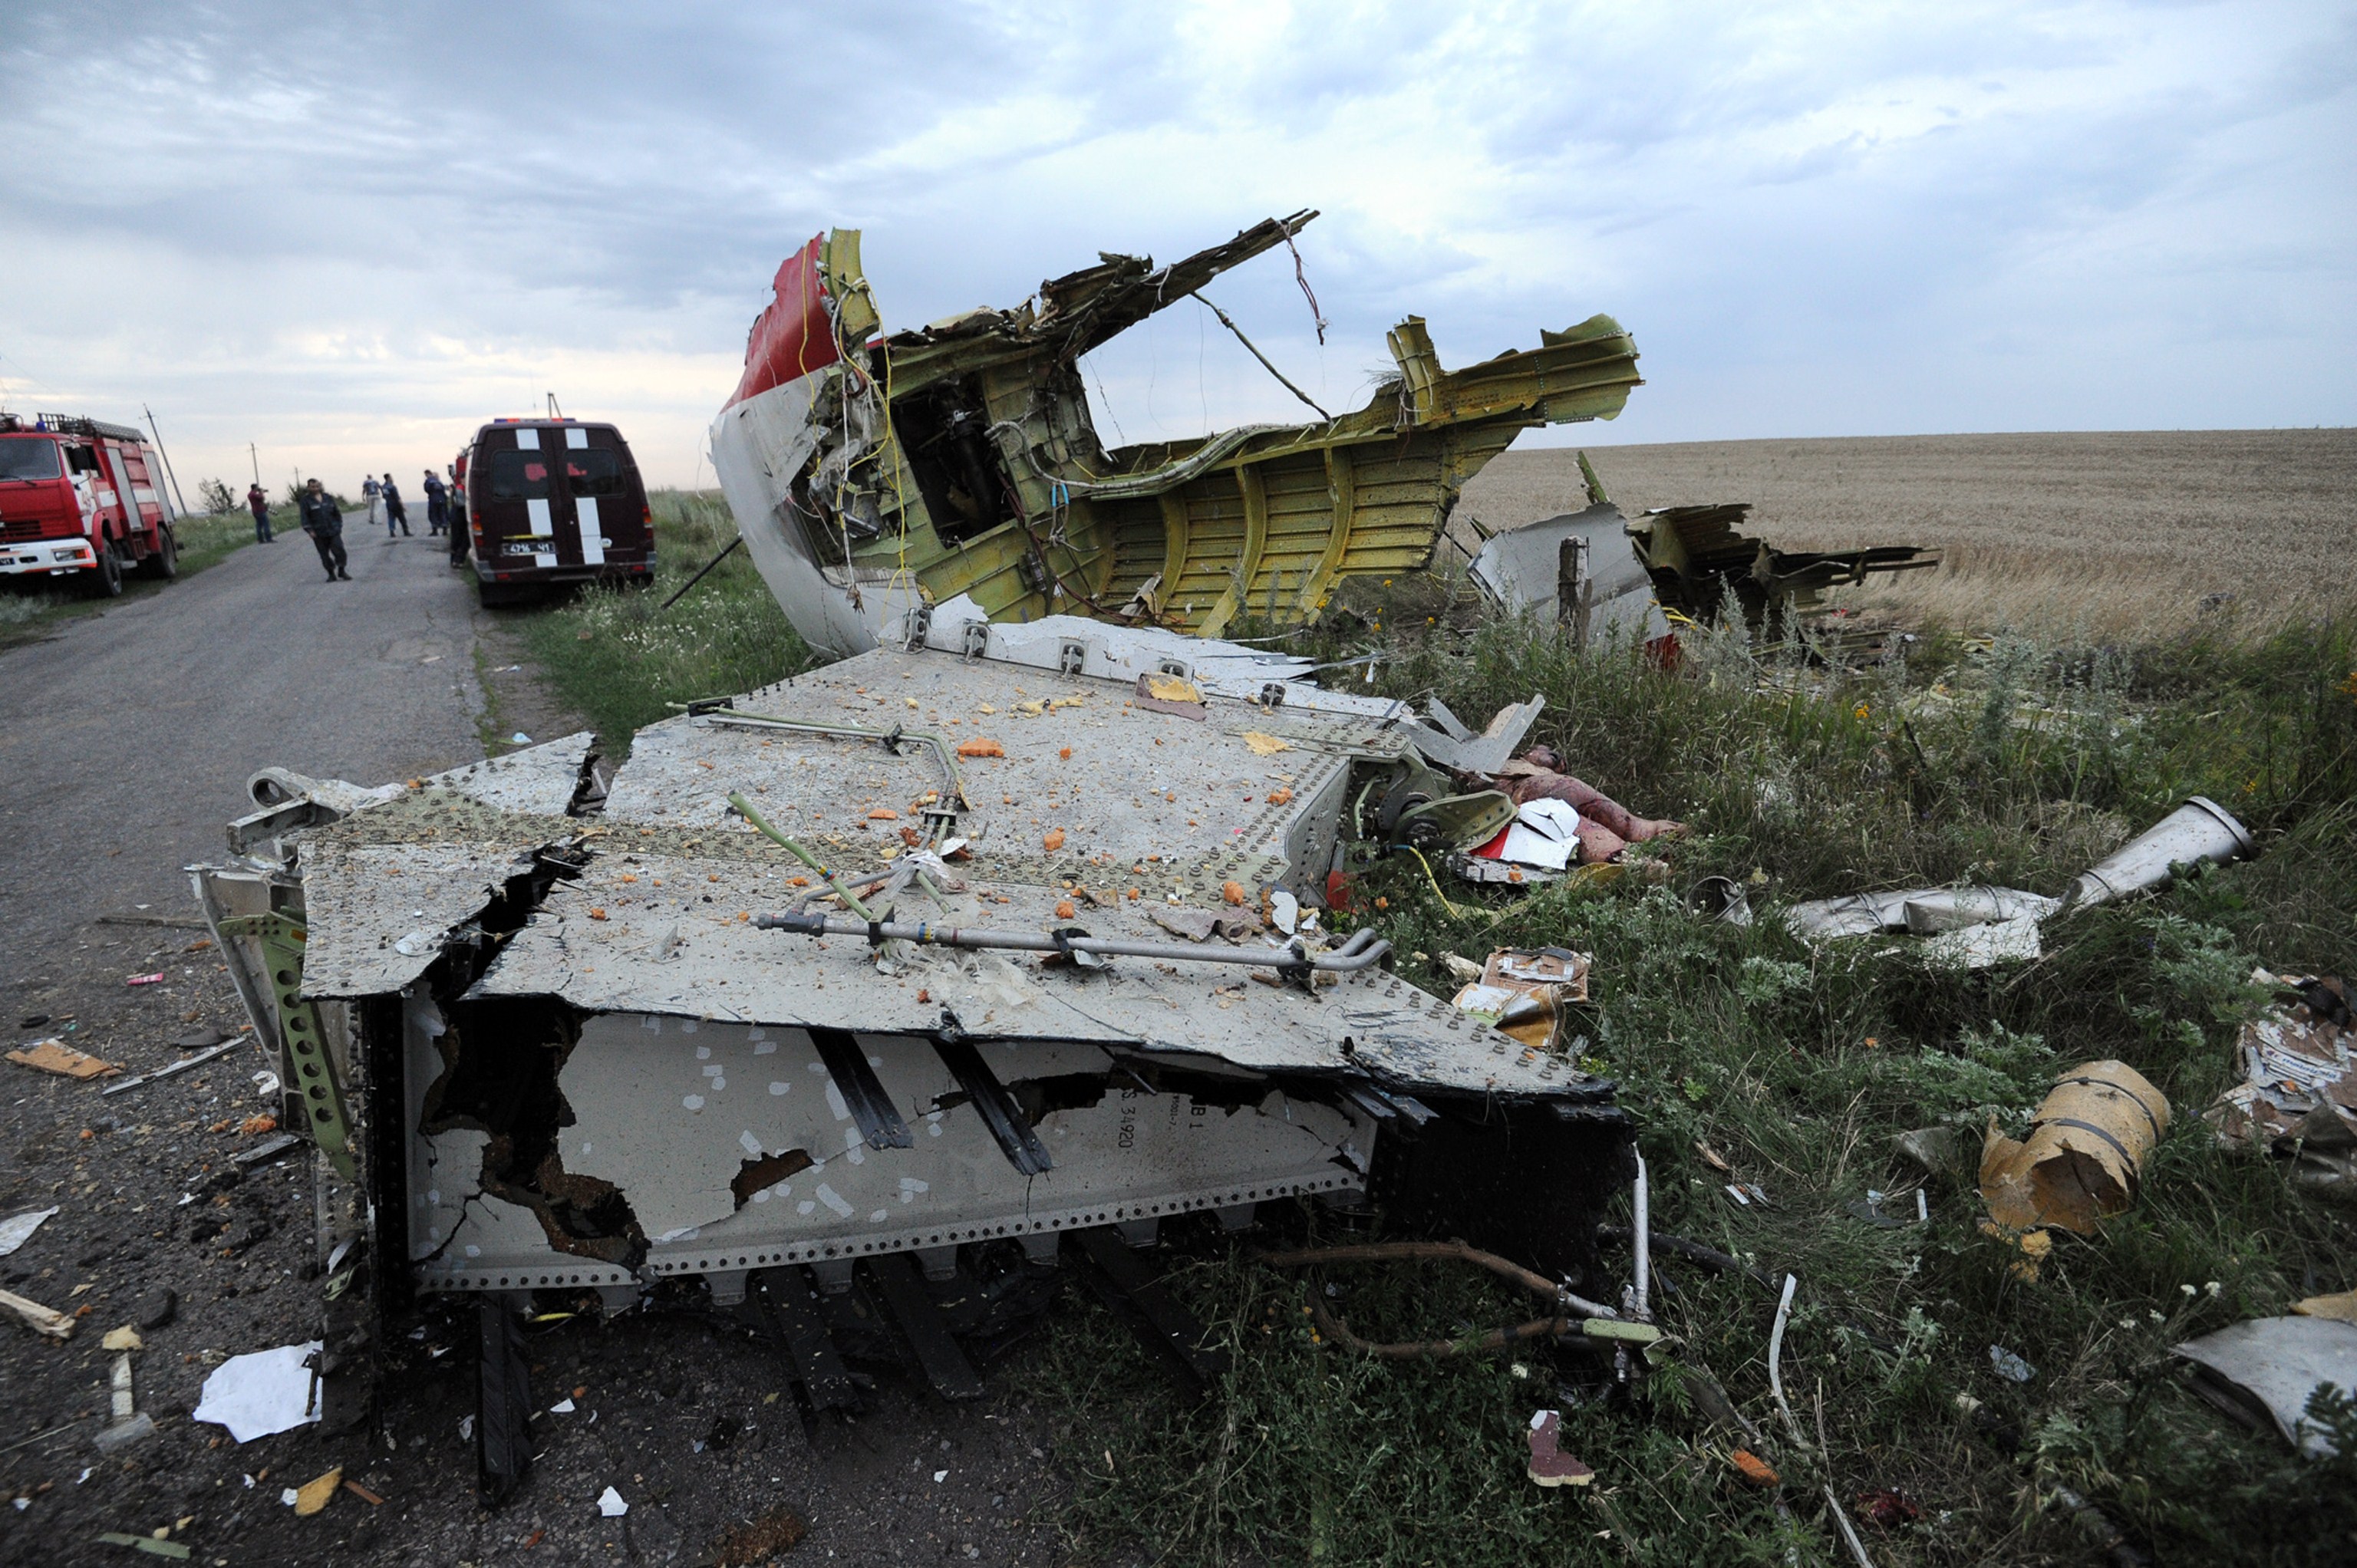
(1454, 911)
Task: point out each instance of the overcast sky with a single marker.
(349, 234)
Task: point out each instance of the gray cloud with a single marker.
(350, 234)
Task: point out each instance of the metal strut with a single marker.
(311, 1073)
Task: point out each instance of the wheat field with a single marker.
(2103, 536)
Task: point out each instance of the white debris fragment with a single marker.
(17, 1229)
(262, 1392)
(610, 1504)
(562, 1407)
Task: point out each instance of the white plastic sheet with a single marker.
(263, 1392)
(17, 1229)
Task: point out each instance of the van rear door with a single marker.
(607, 500)
(516, 493)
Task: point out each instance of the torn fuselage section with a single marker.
(578, 1060)
(875, 477)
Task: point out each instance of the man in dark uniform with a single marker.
(438, 504)
(259, 501)
(458, 536)
(395, 512)
(325, 525)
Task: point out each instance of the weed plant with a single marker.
(617, 657)
(2012, 763)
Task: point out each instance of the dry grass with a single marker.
(2079, 537)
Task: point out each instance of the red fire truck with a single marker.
(81, 504)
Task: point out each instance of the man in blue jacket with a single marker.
(438, 504)
(325, 525)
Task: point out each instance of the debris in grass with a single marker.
(53, 1055)
(1549, 1465)
(2034, 1246)
(1753, 1468)
(1523, 994)
(2084, 1156)
(2009, 1366)
(2298, 1098)
(2343, 1307)
(1887, 1508)
(2264, 1370)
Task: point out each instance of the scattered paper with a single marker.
(1264, 745)
(562, 1407)
(55, 1056)
(123, 1339)
(313, 1495)
(2010, 1366)
(262, 1392)
(610, 1504)
(17, 1229)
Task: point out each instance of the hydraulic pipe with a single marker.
(1361, 951)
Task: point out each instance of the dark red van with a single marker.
(551, 502)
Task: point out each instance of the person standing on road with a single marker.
(259, 501)
(438, 504)
(369, 493)
(395, 512)
(458, 531)
(324, 524)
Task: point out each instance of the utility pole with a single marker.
(167, 458)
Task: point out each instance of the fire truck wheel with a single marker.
(164, 563)
(105, 578)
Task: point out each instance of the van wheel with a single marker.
(105, 580)
(164, 564)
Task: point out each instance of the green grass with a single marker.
(1799, 1066)
(27, 614)
(617, 657)
(2015, 764)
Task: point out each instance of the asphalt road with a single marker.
(125, 747)
(128, 738)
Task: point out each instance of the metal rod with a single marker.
(167, 460)
(1644, 1229)
(1195, 295)
(1361, 951)
(707, 566)
(850, 899)
(941, 747)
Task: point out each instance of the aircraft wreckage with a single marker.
(869, 997)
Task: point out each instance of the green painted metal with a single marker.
(311, 1070)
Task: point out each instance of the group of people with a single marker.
(323, 519)
(396, 512)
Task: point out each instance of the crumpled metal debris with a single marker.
(1975, 925)
(2299, 1097)
(2085, 1153)
(1523, 994)
(2264, 1372)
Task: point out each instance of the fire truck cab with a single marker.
(81, 505)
